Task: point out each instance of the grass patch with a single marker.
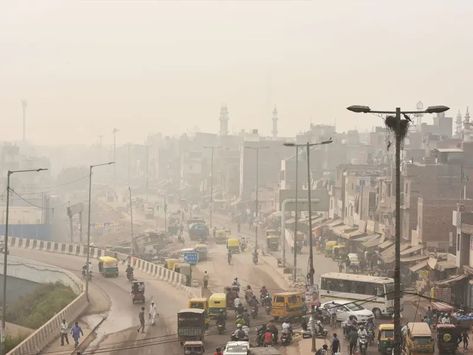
(11, 342)
(37, 308)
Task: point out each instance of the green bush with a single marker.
(11, 342)
(38, 307)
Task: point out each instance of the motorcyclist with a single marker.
(246, 317)
(220, 319)
(236, 302)
(239, 333)
(129, 272)
(319, 328)
(218, 351)
(362, 332)
(260, 334)
(263, 292)
(229, 257)
(286, 326)
(236, 284)
(274, 330)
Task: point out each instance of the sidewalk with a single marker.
(93, 315)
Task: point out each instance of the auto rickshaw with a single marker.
(339, 252)
(138, 292)
(202, 250)
(233, 245)
(419, 338)
(386, 338)
(169, 263)
(288, 305)
(329, 246)
(447, 338)
(217, 304)
(195, 347)
(220, 236)
(108, 266)
(272, 242)
(201, 303)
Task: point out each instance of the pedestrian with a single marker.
(141, 316)
(335, 344)
(340, 266)
(64, 332)
(206, 279)
(76, 332)
(465, 339)
(218, 351)
(153, 312)
(353, 340)
(323, 350)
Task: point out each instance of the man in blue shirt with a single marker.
(76, 332)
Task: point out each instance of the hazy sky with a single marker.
(147, 66)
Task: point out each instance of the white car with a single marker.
(347, 308)
(237, 348)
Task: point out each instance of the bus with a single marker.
(373, 292)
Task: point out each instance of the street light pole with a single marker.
(132, 248)
(399, 133)
(87, 265)
(294, 276)
(212, 149)
(5, 255)
(311, 252)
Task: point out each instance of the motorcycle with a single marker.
(320, 332)
(87, 276)
(255, 259)
(220, 328)
(286, 338)
(130, 277)
(254, 312)
(363, 345)
(370, 336)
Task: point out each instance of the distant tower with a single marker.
(224, 120)
(458, 125)
(24, 104)
(467, 127)
(275, 122)
(420, 107)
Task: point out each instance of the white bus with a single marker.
(373, 292)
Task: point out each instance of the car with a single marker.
(347, 308)
(237, 348)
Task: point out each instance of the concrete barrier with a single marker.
(50, 330)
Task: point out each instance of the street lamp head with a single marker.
(41, 169)
(359, 108)
(328, 141)
(110, 163)
(289, 144)
(437, 109)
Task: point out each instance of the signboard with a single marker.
(320, 200)
(191, 257)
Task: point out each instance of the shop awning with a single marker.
(418, 266)
(374, 242)
(339, 230)
(412, 250)
(367, 238)
(388, 255)
(386, 244)
(334, 223)
(451, 280)
(352, 234)
(410, 259)
(445, 265)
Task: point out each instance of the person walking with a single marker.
(465, 339)
(153, 312)
(141, 316)
(353, 340)
(76, 332)
(206, 279)
(64, 327)
(335, 344)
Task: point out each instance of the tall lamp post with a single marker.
(5, 252)
(212, 149)
(294, 272)
(87, 267)
(399, 126)
(308, 146)
(256, 149)
(132, 248)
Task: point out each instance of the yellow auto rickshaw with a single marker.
(419, 339)
(288, 304)
(329, 247)
(169, 263)
(339, 251)
(217, 305)
(386, 338)
(108, 266)
(233, 245)
(221, 236)
(201, 303)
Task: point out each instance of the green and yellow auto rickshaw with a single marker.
(386, 338)
(108, 266)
